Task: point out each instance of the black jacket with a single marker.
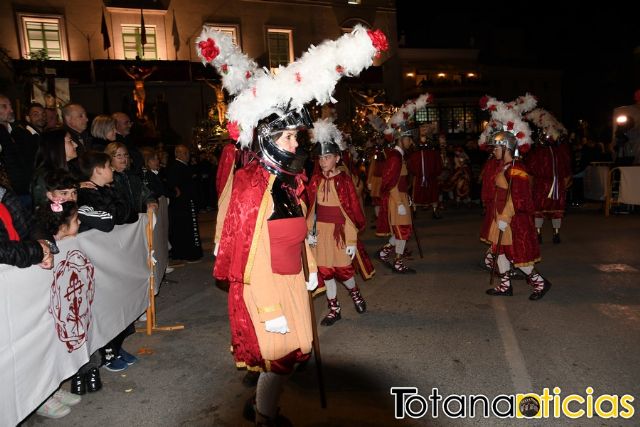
(23, 253)
(102, 208)
(19, 152)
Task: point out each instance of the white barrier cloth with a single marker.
(629, 185)
(51, 321)
(595, 182)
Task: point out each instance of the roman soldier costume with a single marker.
(334, 219)
(425, 166)
(512, 232)
(549, 164)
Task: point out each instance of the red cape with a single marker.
(225, 166)
(249, 185)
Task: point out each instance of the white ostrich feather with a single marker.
(312, 77)
(324, 130)
(237, 70)
(547, 122)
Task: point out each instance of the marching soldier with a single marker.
(334, 218)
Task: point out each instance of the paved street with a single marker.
(435, 329)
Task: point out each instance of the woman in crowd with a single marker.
(103, 131)
(57, 151)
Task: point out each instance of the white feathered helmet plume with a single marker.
(327, 137)
(506, 126)
(237, 70)
(552, 129)
(312, 77)
(404, 115)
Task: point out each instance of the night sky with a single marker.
(593, 46)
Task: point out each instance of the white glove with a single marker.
(369, 187)
(402, 210)
(277, 325)
(312, 284)
(312, 239)
(351, 251)
(502, 225)
(215, 249)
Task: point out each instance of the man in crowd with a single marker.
(76, 122)
(184, 233)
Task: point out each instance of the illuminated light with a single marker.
(621, 119)
(411, 75)
(441, 75)
(471, 75)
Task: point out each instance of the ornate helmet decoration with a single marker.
(550, 130)
(506, 127)
(402, 123)
(312, 77)
(327, 137)
(237, 70)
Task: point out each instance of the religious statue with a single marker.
(369, 100)
(221, 105)
(139, 73)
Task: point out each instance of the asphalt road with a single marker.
(433, 330)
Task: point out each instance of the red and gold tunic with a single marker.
(550, 168)
(519, 241)
(374, 176)
(224, 180)
(425, 166)
(394, 188)
(336, 215)
(488, 194)
(263, 284)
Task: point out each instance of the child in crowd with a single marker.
(59, 218)
(99, 200)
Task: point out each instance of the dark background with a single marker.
(597, 48)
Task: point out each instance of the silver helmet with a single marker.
(505, 139)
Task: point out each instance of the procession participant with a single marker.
(395, 184)
(395, 198)
(425, 166)
(264, 230)
(334, 218)
(549, 163)
(374, 175)
(512, 231)
(487, 196)
(238, 72)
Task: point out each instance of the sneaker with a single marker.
(169, 270)
(129, 358)
(53, 408)
(67, 398)
(116, 365)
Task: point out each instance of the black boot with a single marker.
(78, 385)
(540, 285)
(334, 313)
(358, 301)
(250, 413)
(436, 214)
(93, 381)
(504, 289)
(556, 236)
(384, 254)
(539, 232)
(401, 268)
(251, 378)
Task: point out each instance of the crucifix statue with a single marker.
(139, 73)
(221, 105)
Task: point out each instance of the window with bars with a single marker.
(132, 42)
(280, 44)
(42, 36)
(428, 114)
